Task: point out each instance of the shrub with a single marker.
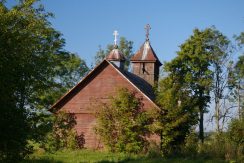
(190, 147)
(63, 135)
(235, 135)
(122, 124)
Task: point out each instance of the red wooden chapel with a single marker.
(104, 80)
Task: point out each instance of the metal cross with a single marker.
(147, 28)
(116, 34)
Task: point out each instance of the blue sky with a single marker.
(87, 24)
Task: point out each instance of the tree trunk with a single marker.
(201, 127)
(217, 114)
(239, 101)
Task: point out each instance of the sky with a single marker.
(86, 24)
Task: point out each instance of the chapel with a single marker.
(103, 82)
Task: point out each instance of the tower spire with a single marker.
(147, 28)
(115, 56)
(116, 34)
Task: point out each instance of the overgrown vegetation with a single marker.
(122, 124)
(202, 66)
(63, 135)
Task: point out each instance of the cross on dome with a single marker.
(147, 28)
(116, 34)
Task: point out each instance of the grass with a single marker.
(81, 156)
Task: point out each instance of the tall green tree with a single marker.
(197, 69)
(191, 66)
(125, 46)
(237, 77)
(178, 113)
(221, 50)
(33, 62)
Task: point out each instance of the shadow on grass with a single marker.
(135, 160)
(41, 160)
(162, 160)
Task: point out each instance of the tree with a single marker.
(239, 85)
(68, 70)
(124, 46)
(122, 124)
(220, 49)
(237, 78)
(202, 63)
(191, 70)
(178, 110)
(32, 63)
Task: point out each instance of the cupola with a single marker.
(115, 56)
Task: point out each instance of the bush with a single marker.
(190, 148)
(225, 145)
(63, 135)
(235, 135)
(122, 124)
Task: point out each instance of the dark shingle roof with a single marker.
(140, 83)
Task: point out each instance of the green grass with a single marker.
(80, 156)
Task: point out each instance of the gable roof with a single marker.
(140, 84)
(145, 54)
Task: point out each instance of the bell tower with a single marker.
(145, 62)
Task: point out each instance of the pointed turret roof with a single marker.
(115, 55)
(145, 54)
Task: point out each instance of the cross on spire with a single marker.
(147, 28)
(116, 34)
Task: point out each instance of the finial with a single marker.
(147, 28)
(116, 34)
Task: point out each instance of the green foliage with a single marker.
(189, 81)
(35, 70)
(220, 145)
(227, 146)
(240, 67)
(124, 46)
(190, 147)
(63, 134)
(236, 136)
(122, 124)
(237, 77)
(177, 117)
